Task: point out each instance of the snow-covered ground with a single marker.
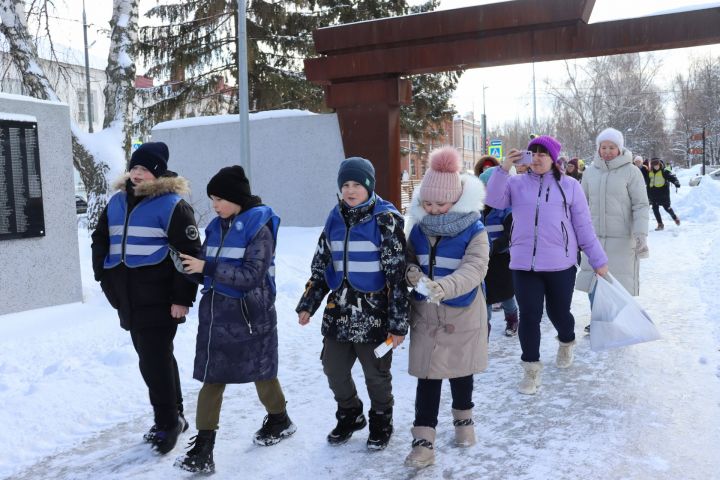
(74, 405)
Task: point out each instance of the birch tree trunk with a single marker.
(120, 88)
(93, 168)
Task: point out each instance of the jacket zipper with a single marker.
(547, 195)
(431, 260)
(565, 238)
(212, 319)
(537, 213)
(125, 229)
(246, 314)
(346, 254)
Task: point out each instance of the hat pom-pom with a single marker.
(445, 159)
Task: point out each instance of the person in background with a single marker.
(572, 170)
(659, 180)
(447, 256)
(237, 340)
(360, 260)
(638, 161)
(551, 220)
(498, 281)
(130, 253)
(485, 162)
(616, 193)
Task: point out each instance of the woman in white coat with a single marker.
(619, 207)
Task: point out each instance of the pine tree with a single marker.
(196, 50)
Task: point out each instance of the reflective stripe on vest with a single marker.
(144, 241)
(449, 252)
(360, 263)
(494, 224)
(230, 248)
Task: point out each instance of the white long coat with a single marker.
(619, 209)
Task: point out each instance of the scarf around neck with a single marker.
(448, 224)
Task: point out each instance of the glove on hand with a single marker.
(641, 246)
(435, 291)
(413, 275)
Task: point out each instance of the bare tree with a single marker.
(617, 91)
(92, 163)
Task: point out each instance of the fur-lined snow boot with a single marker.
(565, 354)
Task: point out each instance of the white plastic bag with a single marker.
(617, 320)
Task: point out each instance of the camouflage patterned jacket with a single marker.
(354, 316)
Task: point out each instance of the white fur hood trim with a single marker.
(471, 200)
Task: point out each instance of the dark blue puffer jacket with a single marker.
(237, 340)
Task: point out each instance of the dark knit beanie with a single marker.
(153, 156)
(358, 170)
(231, 184)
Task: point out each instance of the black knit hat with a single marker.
(231, 184)
(358, 170)
(153, 156)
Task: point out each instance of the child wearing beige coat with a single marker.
(447, 260)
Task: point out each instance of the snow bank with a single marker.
(699, 204)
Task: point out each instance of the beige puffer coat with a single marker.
(450, 342)
(619, 208)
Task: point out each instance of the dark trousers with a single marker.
(338, 359)
(427, 398)
(532, 290)
(154, 346)
(656, 210)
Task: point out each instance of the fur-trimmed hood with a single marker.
(157, 187)
(471, 200)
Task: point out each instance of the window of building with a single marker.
(82, 105)
(413, 168)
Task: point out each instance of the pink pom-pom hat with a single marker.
(442, 181)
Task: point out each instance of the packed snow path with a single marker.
(648, 411)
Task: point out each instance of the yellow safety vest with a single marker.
(657, 179)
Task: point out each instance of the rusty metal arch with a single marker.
(361, 64)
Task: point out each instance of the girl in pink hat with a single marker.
(447, 256)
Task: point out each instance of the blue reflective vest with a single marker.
(444, 258)
(494, 225)
(230, 248)
(356, 250)
(139, 239)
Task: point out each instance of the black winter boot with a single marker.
(275, 427)
(199, 459)
(349, 420)
(165, 440)
(381, 429)
(511, 324)
(150, 434)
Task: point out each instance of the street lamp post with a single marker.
(87, 74)
(484, 124)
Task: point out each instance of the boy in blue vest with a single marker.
(130, 248)
(360, 260)
(237, 339)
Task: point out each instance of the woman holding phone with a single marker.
(551, 220)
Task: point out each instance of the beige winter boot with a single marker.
(423, 453)
(464, 428)
(531, 380)
(565, 354)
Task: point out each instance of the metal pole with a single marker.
(484, 125)
(87, 74)
(473, 131)
(703, 167)
(534, 102)
(243, 108)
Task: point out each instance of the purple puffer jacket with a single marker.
(547, 228)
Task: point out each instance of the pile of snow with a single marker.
(699, 204)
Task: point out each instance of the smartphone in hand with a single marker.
(526, 158)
